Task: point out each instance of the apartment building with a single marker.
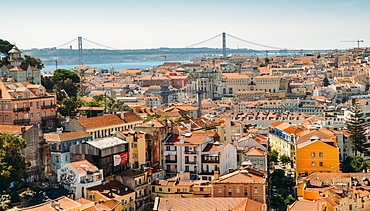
(105, 126)
(24, 103)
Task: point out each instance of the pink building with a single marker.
(24, 103)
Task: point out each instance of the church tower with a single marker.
(15, 56)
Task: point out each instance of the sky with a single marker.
(146, 24)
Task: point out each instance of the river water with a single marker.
(116, 66)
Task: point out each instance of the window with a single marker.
(66, 158)
(31, 115)
(169, 190)
(321, 154)
(6, 117)
(201, 189)
(31, 104)
(220, 189)
(255, 189)
(321, 164)
(245, 191)
(313, 164)
(237, 189)
(57, 159)
(313, 154)
(91, 197)
(160, 189)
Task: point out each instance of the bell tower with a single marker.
(15, 56)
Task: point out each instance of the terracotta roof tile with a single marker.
(66, 136)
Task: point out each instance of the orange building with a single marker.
(317, 155)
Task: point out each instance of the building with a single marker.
(156, 131)
(78, 176)
(138, 181)
(36, 153)
(207, 204)
(180, 186)
(137, 147)
(282, 137)
(24, 103)
(317, 155)
(62, 203)
(113, 193)
(109, 154)
(105, 126)
(17, 72)
(244, 182)
(60, 144)
(198, 154)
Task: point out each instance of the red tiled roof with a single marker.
(108, 120)
(66, 136)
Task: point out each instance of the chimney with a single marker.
(122, 115)
(228, 129)
(167, 206)
(216, 175)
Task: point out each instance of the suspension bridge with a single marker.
(227, 41)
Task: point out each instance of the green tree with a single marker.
(34, 62)
(46, 82)
(274, 156)
(12, 162)
(179, 119)
(352, 164)
(325, 82)
(69, 105)
(356, 127)
(285, 159)
(151, 117)
(65, 80)
(5, 47)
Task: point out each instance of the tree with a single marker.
(5, 47)
(356, 127)
(274, 156)
(65, 80)
(325, 82)
(285, 159)
(352, 164)
(12, 162)
(34, 62)
(69, 105)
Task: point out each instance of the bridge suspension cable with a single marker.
(99, 44)
(67, 43)
(253, 43)
(203, 41)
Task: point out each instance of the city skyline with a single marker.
(176, 24)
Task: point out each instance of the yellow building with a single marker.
(314, 155)
(137, 147)
(181, 186)
(116, 195)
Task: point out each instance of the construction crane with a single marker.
(165, 57)
(358, 42)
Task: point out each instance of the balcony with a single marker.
(48, 117)
(190, 152)
(48, 106)
(190, 162)
(210, 161)
(96, 172)
(22, 121)
(171, 161)
(21, 109)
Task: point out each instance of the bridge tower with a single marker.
(79, 50)
(224, 43)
